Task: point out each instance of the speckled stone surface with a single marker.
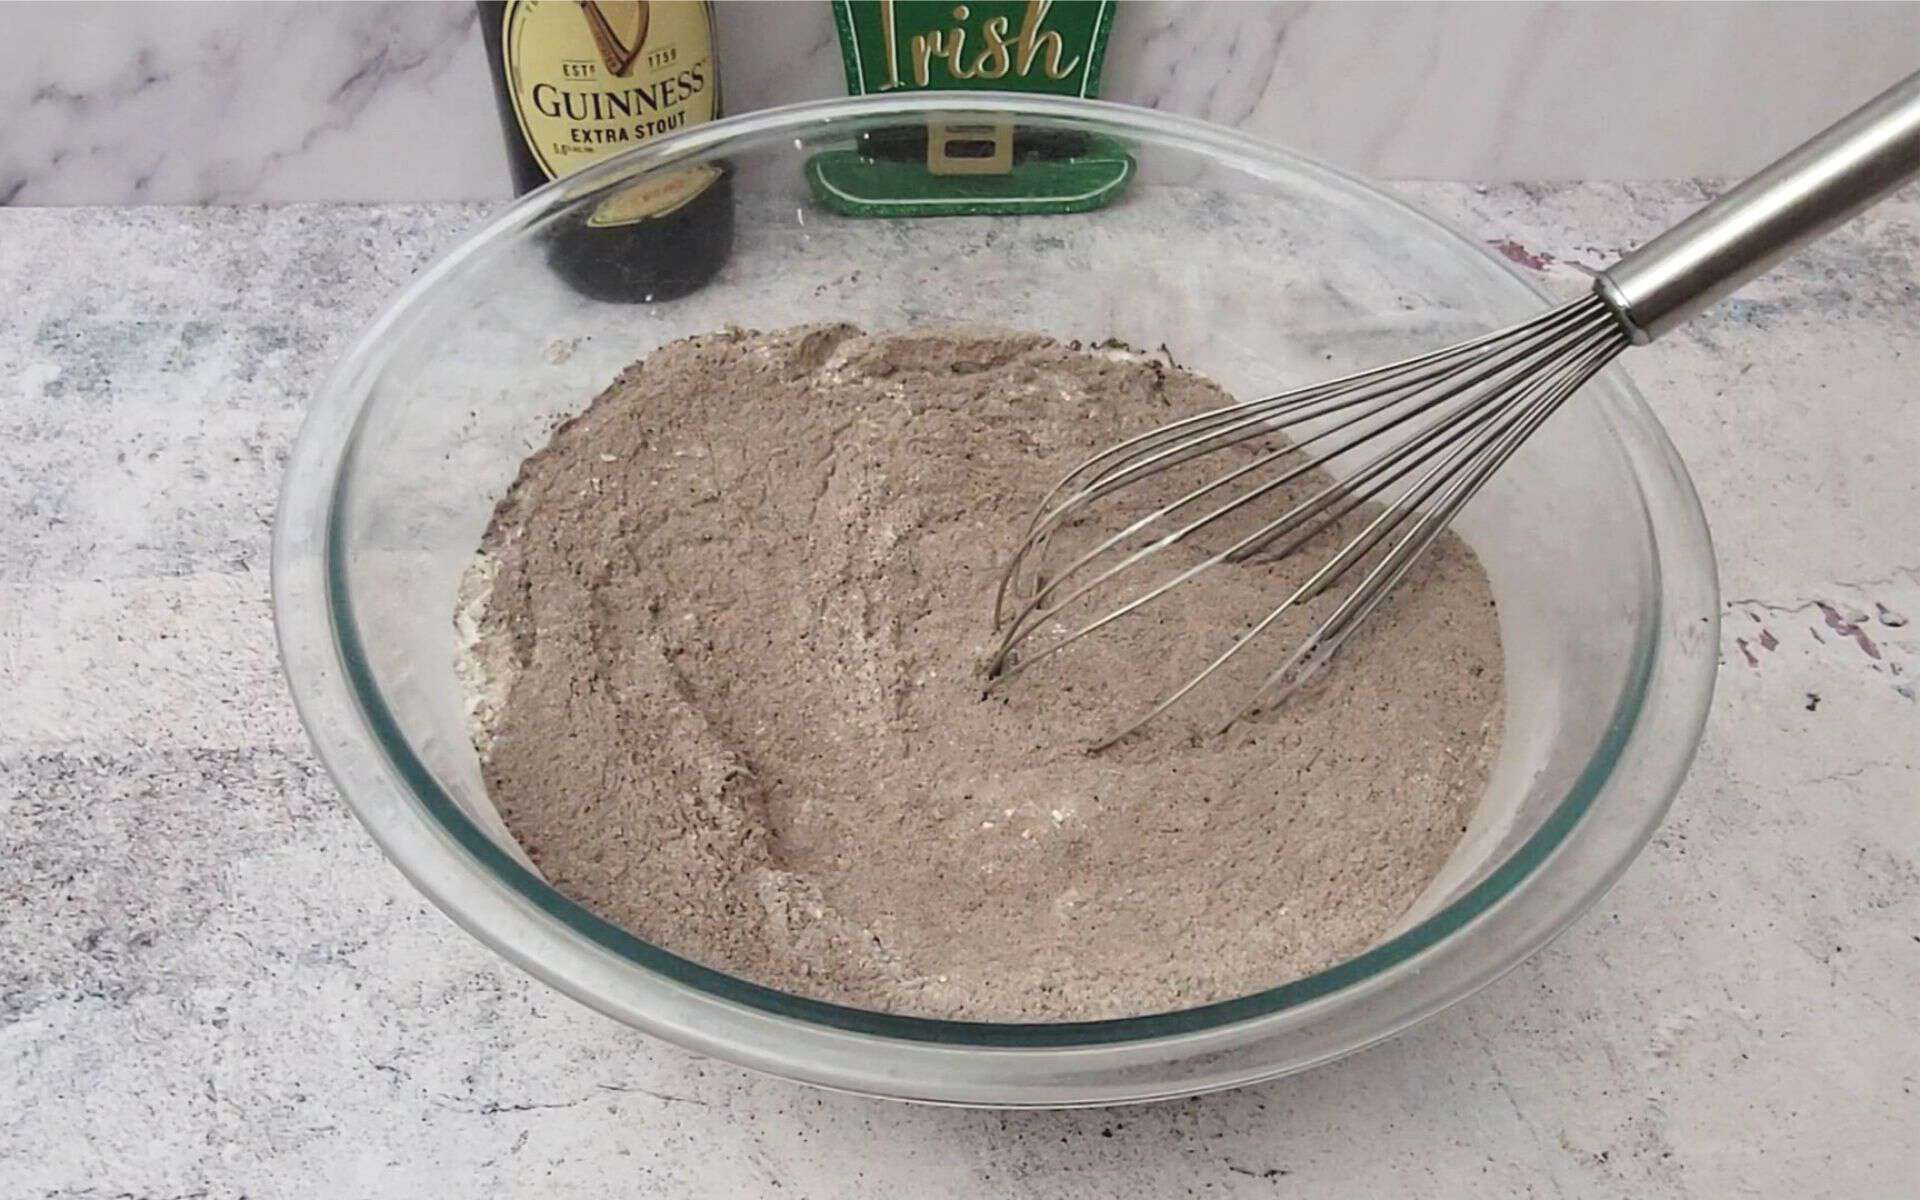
(211, 984)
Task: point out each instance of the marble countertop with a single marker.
(212, 985)
(133, 103)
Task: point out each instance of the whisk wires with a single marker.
(1436, 426)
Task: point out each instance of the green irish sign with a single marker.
(1051, 46)
(962, 167)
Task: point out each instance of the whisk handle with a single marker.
(1828, 179)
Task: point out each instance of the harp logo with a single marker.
(619, 28)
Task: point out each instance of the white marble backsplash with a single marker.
(247, 102)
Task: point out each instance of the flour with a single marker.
(724, 649)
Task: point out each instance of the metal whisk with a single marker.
(1436, 426)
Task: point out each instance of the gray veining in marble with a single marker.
(211, 984)
(251, 102)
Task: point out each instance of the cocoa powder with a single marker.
(726, 636)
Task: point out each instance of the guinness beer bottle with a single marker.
(579, 80)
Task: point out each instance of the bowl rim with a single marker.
(504, 904)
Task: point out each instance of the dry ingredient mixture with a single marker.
(724, 650)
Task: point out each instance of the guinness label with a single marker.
(590, 78)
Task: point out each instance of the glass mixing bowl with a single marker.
(1258, 268)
